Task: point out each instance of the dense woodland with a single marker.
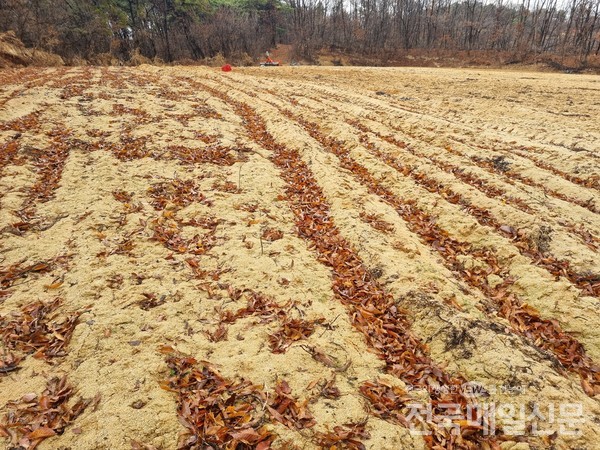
(178, 30)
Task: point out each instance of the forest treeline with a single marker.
(176, 30)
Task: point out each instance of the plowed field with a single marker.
(298, 258)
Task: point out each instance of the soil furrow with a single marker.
(592, 182)
(430, 128)
(305, 224)
(495, 166)
(507, 142)
(588, 283)
(585, 236)
(522, 191)
(525, 320)
(373, 310)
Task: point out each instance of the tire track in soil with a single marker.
(373, 310)
(524, 320)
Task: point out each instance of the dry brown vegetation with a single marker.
(295, 258)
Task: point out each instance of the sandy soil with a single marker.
(155, 203)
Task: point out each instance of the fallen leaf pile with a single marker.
(136, 147)
(122, 196)
(37, 330)
(33, 418)
(8, 153)
(329, 390)
(150, 301)
(388, 402)
(122, 246)
(214, 154)
(224, 414)
(376, 222)
(227, 186)
(271, 234)
(130, 147)
(73, 89)
(22, 124)
(177, 192)
(168, 231)
(592, 241)
(256, 305)
(49, 165)
(345, 437)
(267, 310)
(206, 138)
(291, 330)
(141, 115)
(286, 409)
